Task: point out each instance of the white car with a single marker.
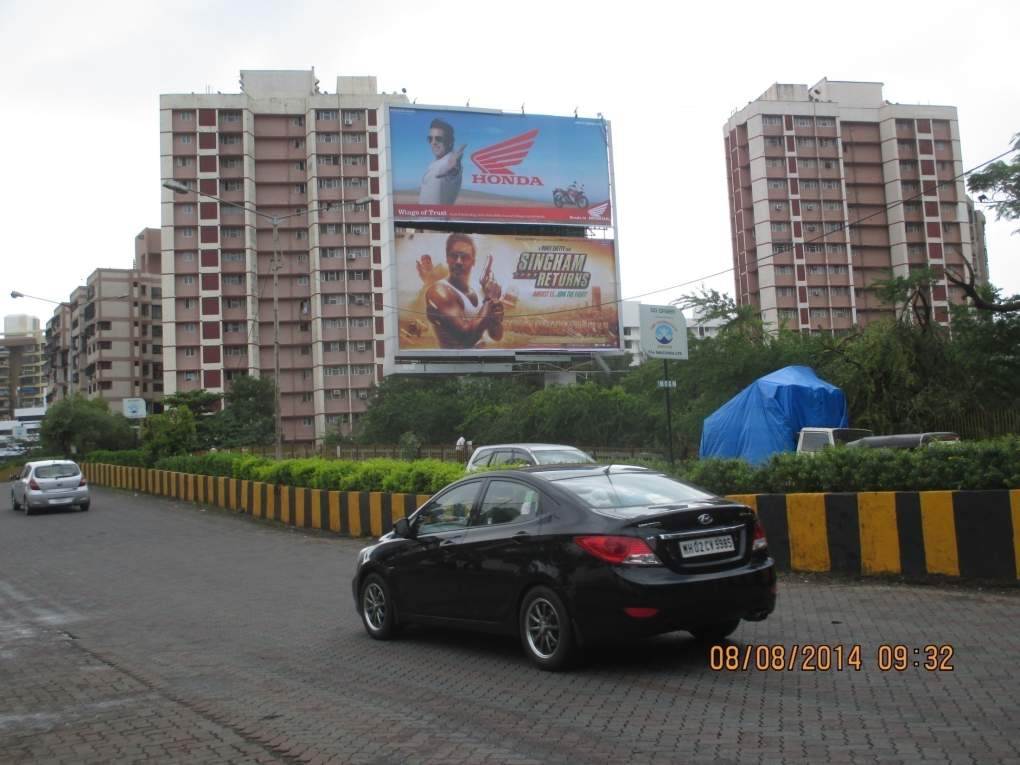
(49, 483)
(527, 454)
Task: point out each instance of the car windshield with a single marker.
(632, 493)
(562, 457)
(56, 471)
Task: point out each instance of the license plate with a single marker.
(707, 546)
(60, 501)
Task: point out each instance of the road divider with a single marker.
(970, 534)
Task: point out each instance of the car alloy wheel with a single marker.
(14, 503)
(545, 629)
(377, 611)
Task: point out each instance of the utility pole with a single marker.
(277, 264)
(669, 411)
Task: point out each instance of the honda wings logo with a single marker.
(599, 211)
(496, 162)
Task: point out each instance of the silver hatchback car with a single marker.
(49, 483)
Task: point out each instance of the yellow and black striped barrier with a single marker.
(973, 534)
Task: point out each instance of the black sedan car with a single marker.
(567, 556)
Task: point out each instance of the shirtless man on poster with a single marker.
(454, 309)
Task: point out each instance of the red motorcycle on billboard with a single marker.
(572, 195)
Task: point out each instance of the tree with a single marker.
(206, 408)
(79, 425)
(998, 185)
(170, 433)
(248, 416)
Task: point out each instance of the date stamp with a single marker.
(821, 657)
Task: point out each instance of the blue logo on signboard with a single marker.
(664, 334)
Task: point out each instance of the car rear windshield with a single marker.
(562, 457)
(56, 471)
(631, 491)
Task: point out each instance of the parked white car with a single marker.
(527, 454)
(50, 483)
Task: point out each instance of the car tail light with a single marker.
(760, 542)
(82, 482)
(33, 485)
(638, 612)
(628, 551)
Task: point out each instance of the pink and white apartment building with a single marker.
(832, 188)
(288, 150)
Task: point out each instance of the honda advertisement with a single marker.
(465, 294)
(500, 168)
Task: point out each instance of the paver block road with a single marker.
(152, 630)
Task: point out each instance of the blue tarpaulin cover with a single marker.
(766, 416)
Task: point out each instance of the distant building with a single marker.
(832, 188)
(22, 382)
(106, 340)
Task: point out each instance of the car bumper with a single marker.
(670, 601)
(39, 499)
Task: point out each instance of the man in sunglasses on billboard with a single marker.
(458, 315)
(441, 183)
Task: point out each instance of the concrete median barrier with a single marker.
(969, 534)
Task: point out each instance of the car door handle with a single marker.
(521, 536)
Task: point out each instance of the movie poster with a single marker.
(472, 293)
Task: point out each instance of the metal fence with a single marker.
(446, 453)
(980, 424)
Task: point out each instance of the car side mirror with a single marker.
(402, 528)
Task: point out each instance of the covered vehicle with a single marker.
(905, 441)
(767, 415)
(564, 556)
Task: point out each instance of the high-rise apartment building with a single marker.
(314, 163)
(832, 188)
(106, 340)
(22, 382)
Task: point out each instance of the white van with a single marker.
(816, 439)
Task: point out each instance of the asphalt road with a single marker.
(148, 629)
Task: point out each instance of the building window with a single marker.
(354, 183)
(826, 122)
(774, 141)
(184, 161)
(334, 323)
(335, 346)
(803, 122)
(772, 120)
(361, 323)
(775, 227)
(780, 247)
(832, 227)
(190, 352)
(354, 160)
(826, 143)
(777, 184)
(300, 235)
(190, 376)
(230, 116)
(302, 279)
(229, 139)
(232, 232)
(185, 138)
(357, 229)
(329, 252)
(325, 114)
(329, 228)
(233, 257)
(188, 279)
(187, 232)
(232, 163)
(357, 252)
(350, 116)
(234, 280)
(329, 137)
(185, 116)
(329, 183)
(298, 120)
(350, 138)
(234, 185)
(235, 350)
(361, 369)
(189, 326)
(328, 159)
(333, 299)
(232, 326)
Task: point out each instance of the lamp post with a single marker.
(275, 265)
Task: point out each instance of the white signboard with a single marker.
(134, 408)
(663, 332)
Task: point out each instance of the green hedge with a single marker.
(965, 465)
(972, 465)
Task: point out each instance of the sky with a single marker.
(80, 129)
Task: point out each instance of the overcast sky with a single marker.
(80, 125)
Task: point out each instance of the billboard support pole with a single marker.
(669, 412)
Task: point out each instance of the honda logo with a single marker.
(704, 519)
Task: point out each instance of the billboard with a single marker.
(501, 168)
(663, 332)
(470, 294)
